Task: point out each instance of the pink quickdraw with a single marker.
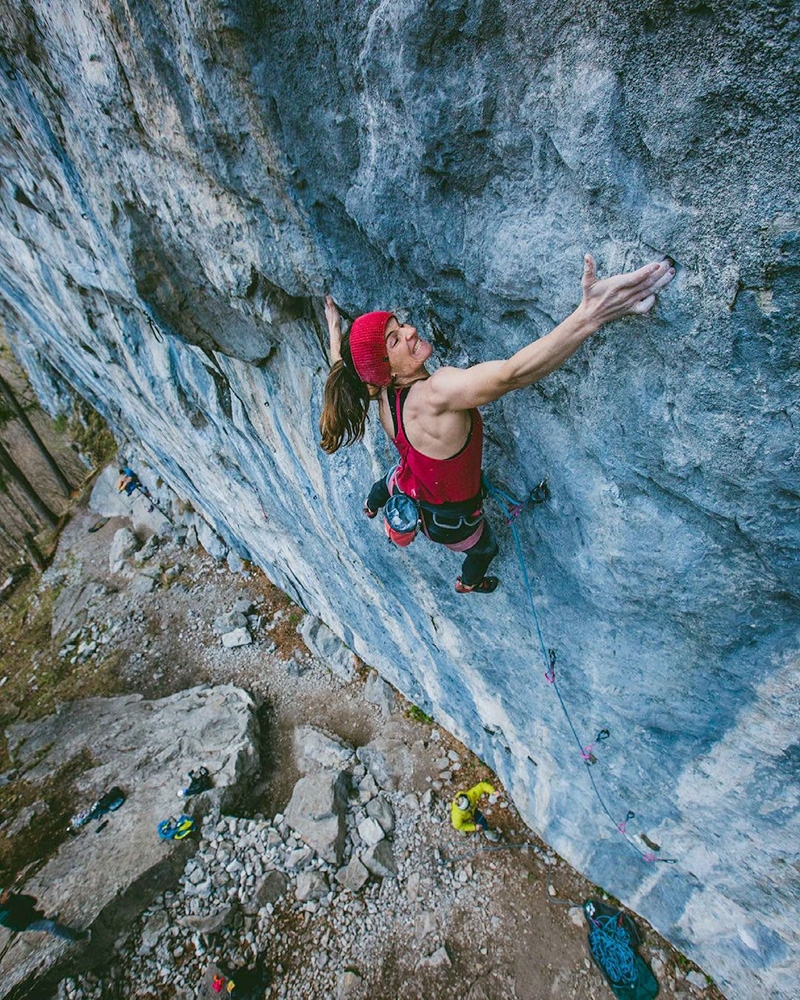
(623, 826)
(513, 512)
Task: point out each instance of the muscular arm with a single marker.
(602, 302)
(334, 322)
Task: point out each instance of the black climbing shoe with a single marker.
(199, 781)
(484, 586)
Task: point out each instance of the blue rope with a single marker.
(513, 508)
(610, 944)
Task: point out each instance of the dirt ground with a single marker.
(520, 937)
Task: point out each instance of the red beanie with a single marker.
(368, 348)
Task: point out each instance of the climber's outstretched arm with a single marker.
(334, 321)
(602, 302)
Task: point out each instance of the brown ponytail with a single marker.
(345, 406)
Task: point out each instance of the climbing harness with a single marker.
(513, 508)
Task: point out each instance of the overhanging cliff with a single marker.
(180, 185)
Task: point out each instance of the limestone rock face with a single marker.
(182, 183)
(109, 872)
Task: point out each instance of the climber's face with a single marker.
(406, 350)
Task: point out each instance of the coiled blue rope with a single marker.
(610, 944)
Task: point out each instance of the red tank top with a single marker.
(438, 480)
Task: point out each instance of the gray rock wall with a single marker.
(180, 185)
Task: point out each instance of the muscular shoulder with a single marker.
(440, 393)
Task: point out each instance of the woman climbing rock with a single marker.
(433, 420)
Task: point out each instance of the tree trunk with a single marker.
(9, 466)
(22, 416)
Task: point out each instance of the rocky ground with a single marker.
(403, 907)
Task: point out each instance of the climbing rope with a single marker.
(513, 508)
(479, 850)
(551, 890)
(610, 944)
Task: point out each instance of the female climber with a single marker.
(433, 419)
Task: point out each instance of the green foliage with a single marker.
(415, 712)
(88, 429)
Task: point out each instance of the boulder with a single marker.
(439, 959)
(268, 889)
(311, 885)
(229, 622)
(377, 765)
(147, 551)
(328, 647)
(425, 926)
(238, 637)
(105, 499)
(370, 831)
(316, 811)
(349, 985)
(235, 562)
(316, 750)
(380, 810)
(367, 789)
(211, 923)
(379, 693)
(380, 860)
(142, 583)
(123, 545)
(353, 876)
(153, 928)
(105, 878)
(209, 539)
(71, 603)
(299, 857)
